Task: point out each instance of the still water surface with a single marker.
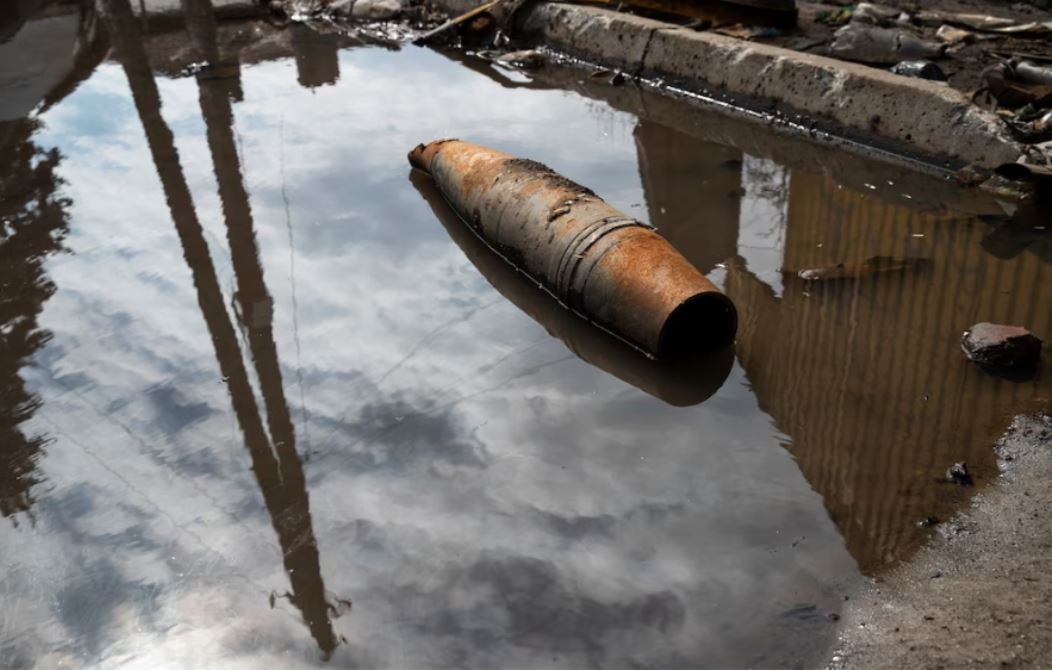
(265, 404)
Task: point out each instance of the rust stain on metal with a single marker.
(598, 261)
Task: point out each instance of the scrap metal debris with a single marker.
(920, 69)
(877, 15)
(985, 23)
(881, 46)
(1032, 73)
(455, 21)
(1032, 125)
(744, 32)
(1001, 86)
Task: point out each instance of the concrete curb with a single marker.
(919, 119)
(925, 119)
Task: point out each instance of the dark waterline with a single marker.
(263, 403)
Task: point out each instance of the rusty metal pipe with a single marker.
(599, 262)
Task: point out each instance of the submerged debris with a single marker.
(999, 346)
(1038, 176)
(870, 266)
(529, 59)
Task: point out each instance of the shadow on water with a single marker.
(275, 461)
(681, 382)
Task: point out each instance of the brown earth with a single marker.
(980, 594)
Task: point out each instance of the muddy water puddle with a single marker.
(265, 404)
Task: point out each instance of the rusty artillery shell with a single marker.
(606, 266)
(680, 382)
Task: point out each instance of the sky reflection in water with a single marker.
(298, 426)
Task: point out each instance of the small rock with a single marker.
(999, 346)
(833, 616)
(958, 474)
(951, 35)
(928, 522)
(527, 60)
(376, 10)
(617, 78)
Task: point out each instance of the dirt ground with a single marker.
(980, 594)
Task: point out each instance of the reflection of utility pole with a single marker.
(693, 192)
(280, 479)
(256, 310)
(317, 56)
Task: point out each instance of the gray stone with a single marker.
(1000, 346)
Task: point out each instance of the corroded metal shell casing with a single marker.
(603, 264)
(682, 381)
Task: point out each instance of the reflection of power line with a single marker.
(292, 290)
(280, 478)
(384, 431)
(149, 501)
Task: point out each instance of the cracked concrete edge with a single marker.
(919, 119)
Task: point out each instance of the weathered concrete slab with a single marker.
(867, 104)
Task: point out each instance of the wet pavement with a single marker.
(264, 404)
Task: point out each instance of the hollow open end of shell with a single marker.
(704, 322)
